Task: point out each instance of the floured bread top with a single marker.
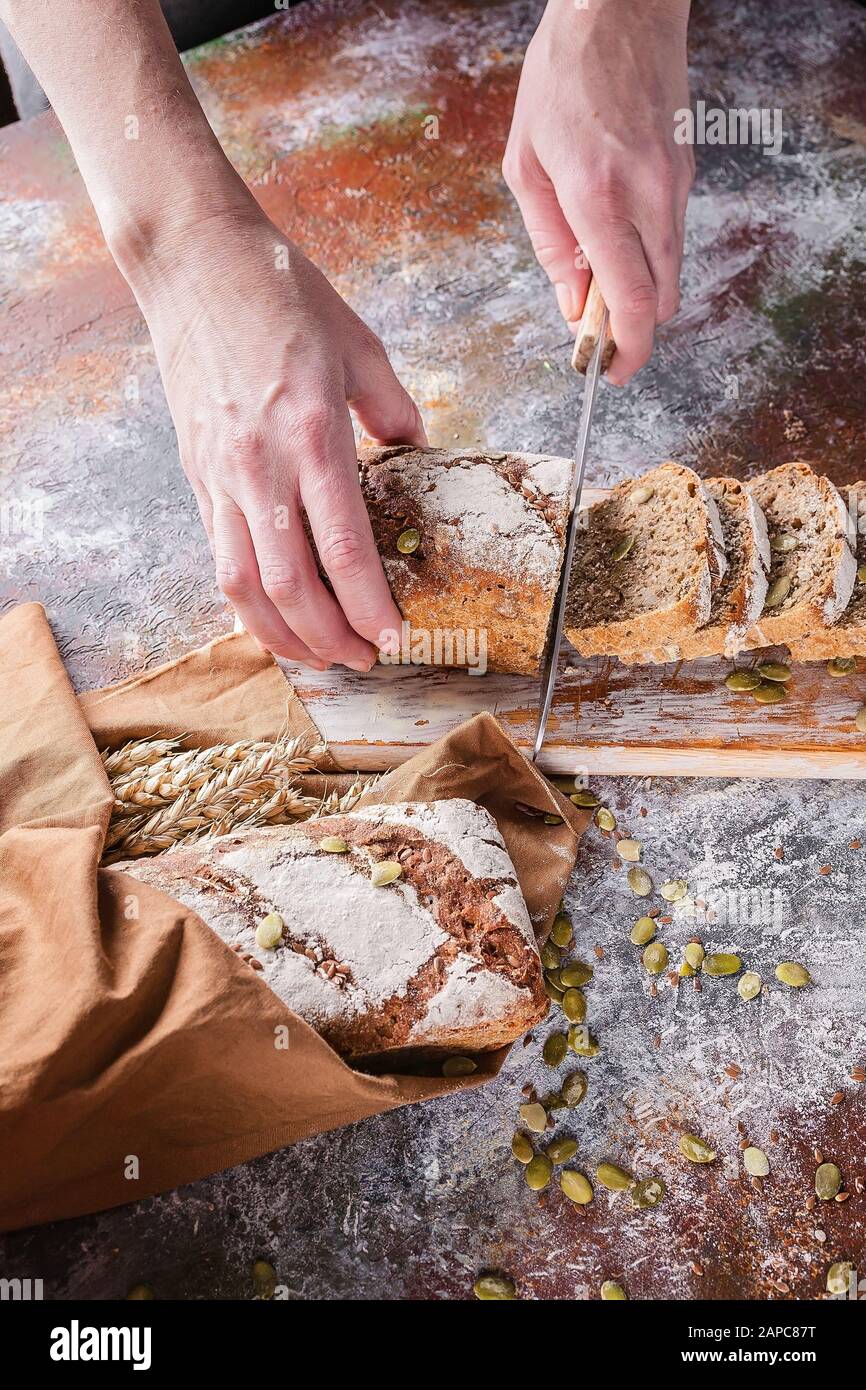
(810, 538)
(479, 511)
(443, 955)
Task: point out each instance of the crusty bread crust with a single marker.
(847, 637)
(492, 528)
(444, 958)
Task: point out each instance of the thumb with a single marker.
(383, 406)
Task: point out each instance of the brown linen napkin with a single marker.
(137, 1052)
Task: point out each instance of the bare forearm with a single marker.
(150, 161)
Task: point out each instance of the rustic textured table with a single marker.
(325, 111)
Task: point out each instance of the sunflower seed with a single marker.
(828, 1180)
(790, 973)
(639, 882)
(642, 932)
(575, 1186)
(749, 985)
(721, 963)
(695, 1149)
(743, 680)
(756, 1163)
(492, 1287)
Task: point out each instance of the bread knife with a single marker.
(600, 355)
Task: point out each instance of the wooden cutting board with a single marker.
(677, 720)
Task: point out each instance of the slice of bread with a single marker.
(813, 569)
(847, 637)
(647, 562)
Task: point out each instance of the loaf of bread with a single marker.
(648, 561)
(440, 958)
(472, 545)
(847, 637)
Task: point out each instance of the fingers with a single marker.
(383, 406)
(553, 241)
(332, 498)
(237, 574)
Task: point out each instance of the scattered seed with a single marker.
(790, 973)
(841, 666)
(742, 680)
(605, 819)
(614, 1178)
(648, 1193)
(574, 1006)
(721, 963)
(621, 549)
(828, 1180)
(576, 1186)
(534, 1116)
(554, 1049)
(629, 850)
(775, 671)
(643, 494)
(561, 931)
(858, 1074)
(783, 542)
(538, 1172)
(551, 819)
(756, 1162)
(386, 871)
(269, 932)
(841, 1196)
(552, 991)
(749, 985)
(837, 1098)
(574, 1088)
(696, 1269)
(694, 954)
(458, 1066)
(642, 932)
(695, 1149)
(582, 1042)
(778, 591)
(492, 1287)
(408, 540)
(555, 979)
(264, 1279)
(613, 1292)
(674, 889)
(839, 1277)
(733, 1071)
(332, 844)
(686, 970)
(584, 797)
(561, 1150)
(655, 957)
(639, 880)
(521, 1147)
(769, 694)
(550, 956)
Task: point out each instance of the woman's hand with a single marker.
(592, 161)
(261, 359)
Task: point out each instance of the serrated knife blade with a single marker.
(554, 641)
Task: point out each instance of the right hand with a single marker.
(261, 359)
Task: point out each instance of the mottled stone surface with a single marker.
(324, 111)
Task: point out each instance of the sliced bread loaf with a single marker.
(441, 956)
(647, 563)
(813, 566)
(847, 637)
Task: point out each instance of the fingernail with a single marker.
(565, 298)
(362, 666)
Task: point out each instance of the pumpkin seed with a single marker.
(655, 957)
(139, 1292)
(749, 985)
(648, 1193)
(782, 542)
(332, 844)
(605, 819)
(550, 957)
(629, 850)
(769, 694)
(561, 1150)
(554, 978)
(521, 1147)
(639, 882)
(551, 819)
(554, 1050)
(386, 871)
(720, 963)
(458, 1066)
(694, 954)
(756, 1162)
(493, 1287)
(562, 930)
(534, 1116)
(576, 973)
(861, 574)
(269, 932)
(643, 931)
(828, 1180)
(264, 1279)
(408, 540)
(584, 797)
(695, 1150)
(743, 680)
(860, 719)
(839, 1278)
(642, 494)
(576, 1186)
(675, 889)
(538, 1172)
(613, 1292)
(621, 549)
(582, 1042)
(841, 666)
(790, 973)
(574, 1088)
(778, 591)
(614, 1178)
(552, 991)
(574, 1006)
(686, 971)
(774, 671)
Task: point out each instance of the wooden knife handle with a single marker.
(588, 331)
